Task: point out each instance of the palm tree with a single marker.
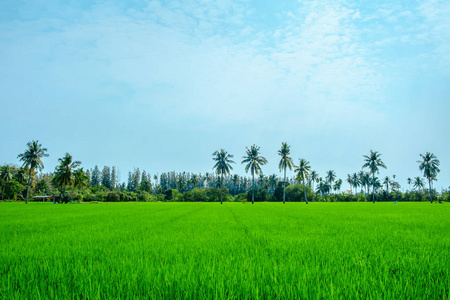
(253, 161)
(365, 181)
(373, 162)
(6, 175)
(80, 180)
(430, 167)
(313, 177)
(337, 185)
(285, 162)
(302, 173)
(350, 181)
(32, 160)
(387, 181)
(356, 183)
(64, 173)
(331, 176)
(222, 166)
(418, 183)
(409, 182)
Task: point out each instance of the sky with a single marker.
(161, 85)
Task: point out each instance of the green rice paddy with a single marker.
(234, 250)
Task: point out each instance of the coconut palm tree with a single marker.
(285, 162)
(430, 167)
(337, 185)
(313, 177)
(6, 174)
(32, 160)
(64, 173)
(418, 183)
(373, 162)
(331, 176)
(356, 183)
(222, 165)
(253, 161)
(409, 182)
(350, 181)
(387, 181)
(80, 180)
(302, 173)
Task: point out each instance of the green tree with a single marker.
(313, 177)
(222, 166)
(373, 162)
(302, 171)
(430, 167)
(64, 173)
(331, 176)
(285, 162)
(418, 183)
(6, 174)
(253, 161)
(80, 180)
(32, 160)
(337, 185)
(409, 181)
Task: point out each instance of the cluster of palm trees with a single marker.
(68, 173)
(429, 165)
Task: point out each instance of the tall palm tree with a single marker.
(302, 173)
(418, 183)
(331, 176)
(6, 175)
(313, 177)
(253, 161)
(350, 181)
(356, 183)
(222, 166)
(373, 162)
(430, 167)
(285, 162)
(32, 160)
(64, 173)
(80, 180)
(409, 182)
(365, 181)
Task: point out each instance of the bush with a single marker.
(295, 193)
(113, 197)
(196, 195)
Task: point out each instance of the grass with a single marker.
(234, 250)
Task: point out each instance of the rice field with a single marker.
(234, 250)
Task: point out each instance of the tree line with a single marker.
(70, 182)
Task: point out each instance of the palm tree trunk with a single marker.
(429, 185)
(221, 183)
(28, 186)
(284, 187)
(373, 188)
(304, 190)
(253, 188)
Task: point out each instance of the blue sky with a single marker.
(161, 85)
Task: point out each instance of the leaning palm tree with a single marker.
(253, 161)
(32, 160)
(80, 180)
(302, 173)
(430, 167)
(285, 162)
(222, 166)
(373, 162)
(64, 173)
(6, 174)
